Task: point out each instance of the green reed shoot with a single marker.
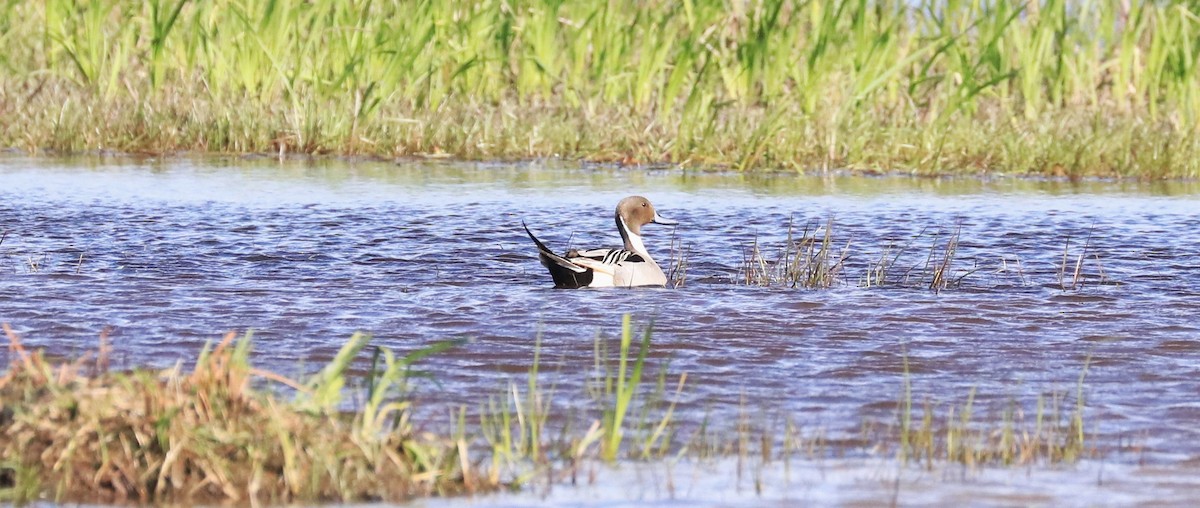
(628, 381)
(388, 382)
(324, 390)
(536, 409)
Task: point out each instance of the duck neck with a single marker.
(633, 241)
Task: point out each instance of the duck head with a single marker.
(636, 211)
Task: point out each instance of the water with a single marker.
(857, 483)
(170, 255)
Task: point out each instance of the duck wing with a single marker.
(606, 256)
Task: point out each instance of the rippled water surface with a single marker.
(171, 255)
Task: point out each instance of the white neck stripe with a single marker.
(633, 241)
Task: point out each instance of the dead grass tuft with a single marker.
(80, 432)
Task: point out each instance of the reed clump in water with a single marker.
(813, 260)
(810, 261)
(1071, 273)
(80, 432)
(816, 260)
(1056, 434)
(624, 416)
(1053, 87)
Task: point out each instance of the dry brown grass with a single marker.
(80, 432)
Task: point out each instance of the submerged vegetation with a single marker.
(226, 431)
(1048, 87)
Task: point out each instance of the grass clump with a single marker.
(624, 417)
(815, 260)
(1067, 88)
(79, 432)
(810, 261)
(1055, 435)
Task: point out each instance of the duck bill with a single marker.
(658, 219)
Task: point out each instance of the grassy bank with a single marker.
(1054, 87)
(79, 432)
(226, 431)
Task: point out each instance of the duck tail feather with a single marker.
(541, 246)
(549, 257)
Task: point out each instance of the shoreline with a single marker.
(1089, 89)
(350, 160)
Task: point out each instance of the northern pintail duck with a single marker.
(628, 267)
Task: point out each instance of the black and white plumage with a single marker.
(607, 256)
(627, 267)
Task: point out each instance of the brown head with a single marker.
(636, 212)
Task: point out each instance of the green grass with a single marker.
(228, 432)
(514, 424)
(1052, 87)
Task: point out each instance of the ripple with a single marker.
(305, 267)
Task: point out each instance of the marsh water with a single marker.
(1047, 279)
